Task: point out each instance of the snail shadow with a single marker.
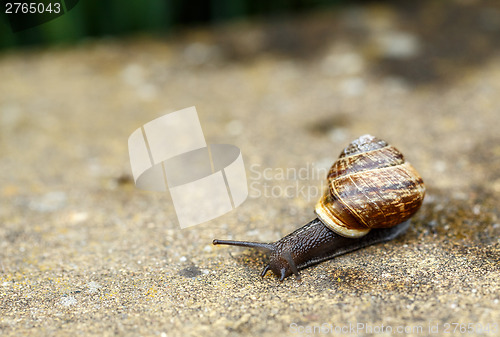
(459, 218)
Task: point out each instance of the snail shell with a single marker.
(372, 192)
(369, 186)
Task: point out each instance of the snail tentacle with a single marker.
(291, 263)
(265, 270)
(283, 274)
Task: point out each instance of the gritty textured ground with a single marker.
(82, 252)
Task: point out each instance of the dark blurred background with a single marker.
(429, 42)
(98, 18)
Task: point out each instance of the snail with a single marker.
(372, 193)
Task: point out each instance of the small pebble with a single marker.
(68, 301)
(343, 64)
(398, 45)
(93, 287)
(353, 86)
(49, 202)
(78, 217)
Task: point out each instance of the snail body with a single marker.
(372, 193)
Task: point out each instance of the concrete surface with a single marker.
(82, 252)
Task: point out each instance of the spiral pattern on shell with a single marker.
(370, 186)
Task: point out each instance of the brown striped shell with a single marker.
(370, 186)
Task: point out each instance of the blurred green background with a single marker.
(98, 18)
